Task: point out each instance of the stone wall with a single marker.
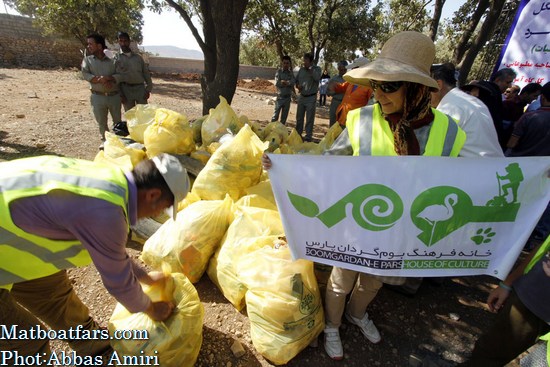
(177, 65)
(23, 45)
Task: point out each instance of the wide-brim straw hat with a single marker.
(406, 57)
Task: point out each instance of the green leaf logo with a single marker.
(374, 207)
(305, 206)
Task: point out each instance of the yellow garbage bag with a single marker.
(201, 155)
(262, 189)
(212, 147)
(176, 341)
(233, 168)
(331, 135)
(219, 122)
(189, 199)
(117, 153)
(257, 128)
(252, 228)
(170, 133)
(284, 149)
(283, 302)
(138, 118)
(187, 243)
(294, 138)
(257, 201)
(275, 132)
(197, 127)
(260, 195)
(307, 148)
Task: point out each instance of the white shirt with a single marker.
(533, 106)
(475, 119)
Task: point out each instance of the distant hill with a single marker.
(172, 51)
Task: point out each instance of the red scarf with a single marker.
(412, 142)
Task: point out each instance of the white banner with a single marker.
(410, 216)
(527, 49)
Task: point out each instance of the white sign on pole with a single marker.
(527, 49)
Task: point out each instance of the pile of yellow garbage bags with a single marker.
(229, 227)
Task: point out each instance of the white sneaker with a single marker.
(333, 344)
(367, 327)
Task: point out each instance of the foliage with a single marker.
(78, 18)
(256, 51)
(394, 16)
(273, 22)
(408, 15)
(473, 38)
(333, 29)
(488, 57)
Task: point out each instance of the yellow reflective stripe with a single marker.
(543, 249)
(370, 134)
(31, 180)
(57, 257)
(446, 138)
(9, 278)
(546, 337)
(27, 256)
(62, 165)
(459, 143)
(19, 264)
(436, 138)
(353, 125)
(383, 143)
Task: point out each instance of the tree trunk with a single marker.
(462, 46)
(222, 34)
(222, 23)
(486, 31)
(436, 18)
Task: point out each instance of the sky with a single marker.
(169, 29)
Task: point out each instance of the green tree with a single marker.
(486, 61)
(78, 18)
(333, 29)
(408, 15)
(392, 17)
(273, 22)
(220, 40)
(472, 35)
(256, 51)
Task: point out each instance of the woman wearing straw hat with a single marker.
(400, 123)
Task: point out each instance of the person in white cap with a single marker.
(59, 213)
(401, 122)
(355, 96)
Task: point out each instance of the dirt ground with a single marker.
(48, 112)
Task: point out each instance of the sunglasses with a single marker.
(388, 87)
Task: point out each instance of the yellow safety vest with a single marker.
(544, 248)
(370, 134)
(25, 256)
